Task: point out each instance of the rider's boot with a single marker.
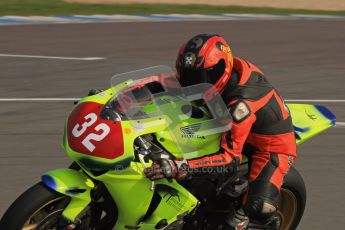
(272, 223)
(241, 222)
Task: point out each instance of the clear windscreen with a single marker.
(155, 92)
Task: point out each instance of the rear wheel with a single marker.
(292, 200)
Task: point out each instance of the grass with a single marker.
(58, 7)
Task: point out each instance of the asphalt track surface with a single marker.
(303, 59)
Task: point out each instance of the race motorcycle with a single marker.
(113, 135)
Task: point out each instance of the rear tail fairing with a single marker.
(310, 120)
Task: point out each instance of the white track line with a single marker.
(39, 99)
(53, 57)
(317, 100)
(340, 124)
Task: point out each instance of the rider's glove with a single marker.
(166, 168)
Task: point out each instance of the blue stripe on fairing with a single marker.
(49, 182)
(300, 130)
(327, 113)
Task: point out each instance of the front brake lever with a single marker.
(142, 160)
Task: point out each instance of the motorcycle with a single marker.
(113, 135)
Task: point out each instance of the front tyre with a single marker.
(36, 209)
(292, 200)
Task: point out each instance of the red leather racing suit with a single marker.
(262, 129)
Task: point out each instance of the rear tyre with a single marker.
(292, 200)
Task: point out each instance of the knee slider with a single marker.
(262, 200)
(259, 209)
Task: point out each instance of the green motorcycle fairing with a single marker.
(130, 189)
(132, 192)
(71, 183)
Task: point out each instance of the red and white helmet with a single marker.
(206, 58)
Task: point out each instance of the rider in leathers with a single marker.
(261, 128)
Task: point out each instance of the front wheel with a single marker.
(37, 209)
(292, 200)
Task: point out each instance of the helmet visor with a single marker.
(191, 76)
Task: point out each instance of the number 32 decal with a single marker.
(90, 119)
